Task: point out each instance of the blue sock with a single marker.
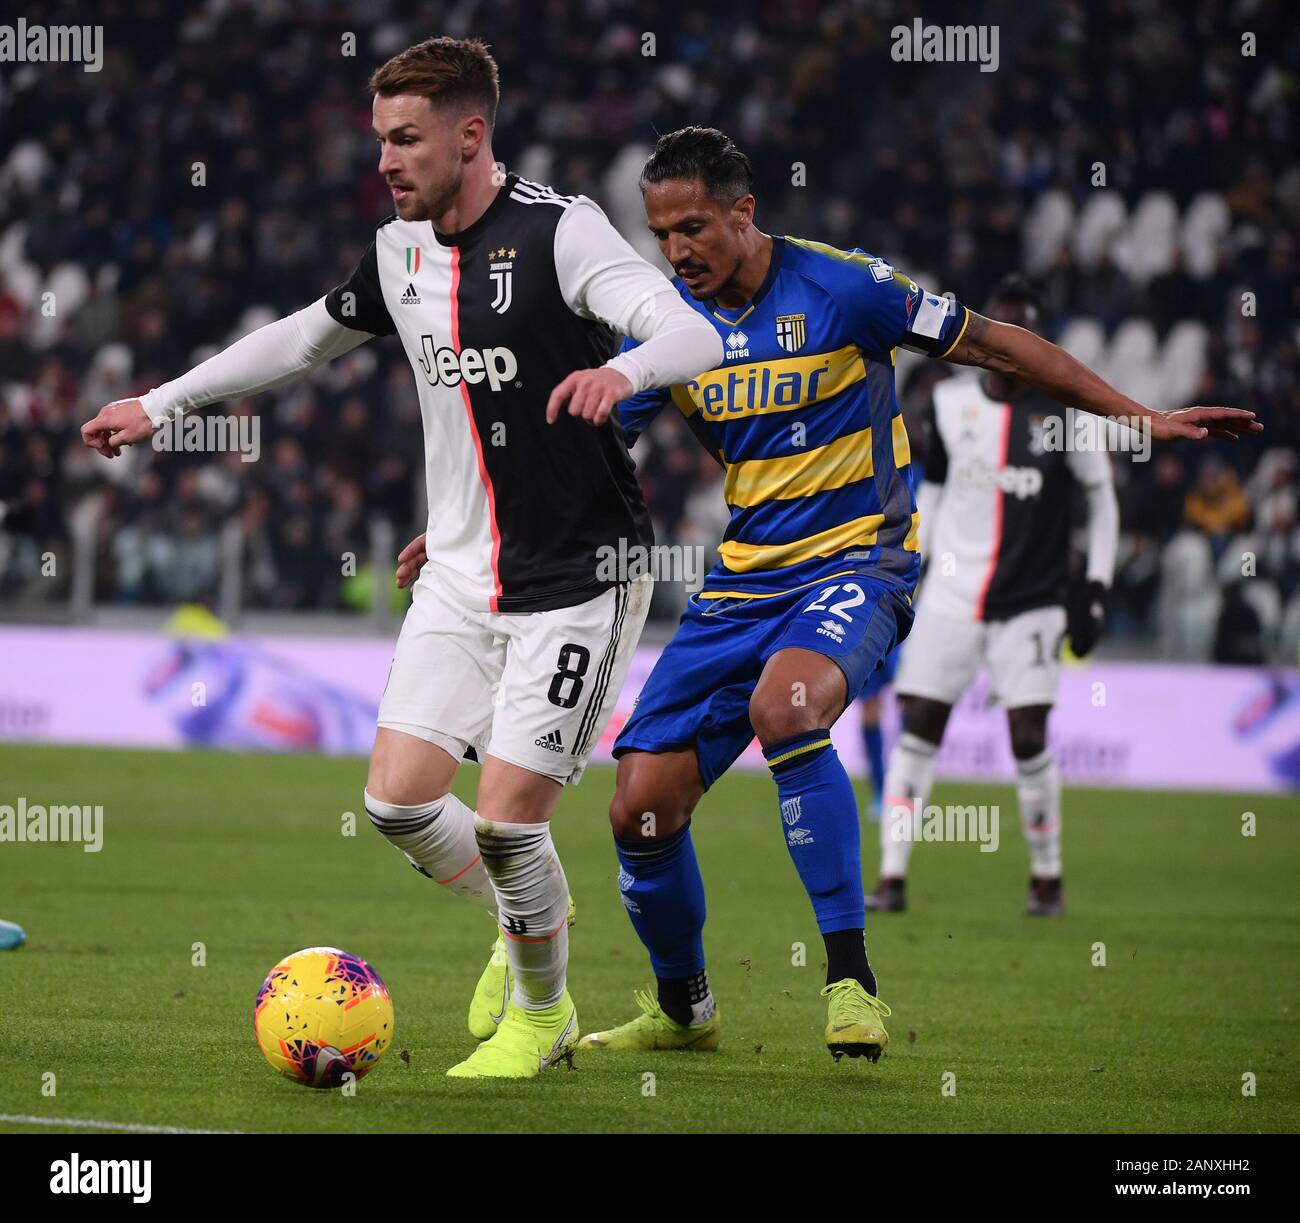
(820, 815)
(874, 742)
(664, 894)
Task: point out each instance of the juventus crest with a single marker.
(502, 273)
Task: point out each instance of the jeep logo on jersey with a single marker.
(472, 365)
(1018, 482)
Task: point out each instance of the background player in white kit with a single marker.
(995, 527)
(507, 298)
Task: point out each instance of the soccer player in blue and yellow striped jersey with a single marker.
(817, 568)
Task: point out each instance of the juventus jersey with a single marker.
(1000, 541)
(492, 318)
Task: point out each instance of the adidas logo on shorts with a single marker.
(551, 742)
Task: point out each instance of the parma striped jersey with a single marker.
(803, 415)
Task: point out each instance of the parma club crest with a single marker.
(791, 331)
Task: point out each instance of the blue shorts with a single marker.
(698, 693)
(883, 675)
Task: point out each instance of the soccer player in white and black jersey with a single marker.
(995, 524)
(507, 298)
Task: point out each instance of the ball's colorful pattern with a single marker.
(322, 1014)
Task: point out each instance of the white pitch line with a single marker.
(83, 1124)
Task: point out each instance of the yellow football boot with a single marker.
(854, 1021)
(652, 1029)
(525, 1044)
(488, 1006)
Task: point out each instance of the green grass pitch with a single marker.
(244, 854)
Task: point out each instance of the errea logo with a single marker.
(833, 630)
(737, 343)
(496, 366)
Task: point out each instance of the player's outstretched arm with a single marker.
(1013, 350)
(263, 359)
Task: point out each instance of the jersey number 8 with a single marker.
(571, 665)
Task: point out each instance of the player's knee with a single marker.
(1028, 736)
(924, 718)
(623, 816)
(641, 811)
(406, 770)
(398, 787)
(776, 719)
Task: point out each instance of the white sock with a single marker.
(908, 779)
(438, 840)
(1038, 788)
(534, 903)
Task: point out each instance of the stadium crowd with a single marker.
(220, 172)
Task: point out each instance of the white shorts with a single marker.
(532, 688)
(942, 655)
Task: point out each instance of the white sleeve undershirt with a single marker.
(265, 358)
(1091, 467)
(928, 497)
(602, 277)
(1103, 532)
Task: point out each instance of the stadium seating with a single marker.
(1142, 276)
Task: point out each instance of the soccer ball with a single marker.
(321, 1014)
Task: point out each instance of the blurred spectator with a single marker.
(944, 169)
(1238, 636)
(1154, 505)
(1216, 504)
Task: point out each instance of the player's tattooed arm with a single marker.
(1024, 355)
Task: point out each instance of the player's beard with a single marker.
(424, 206)
(706, 292)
